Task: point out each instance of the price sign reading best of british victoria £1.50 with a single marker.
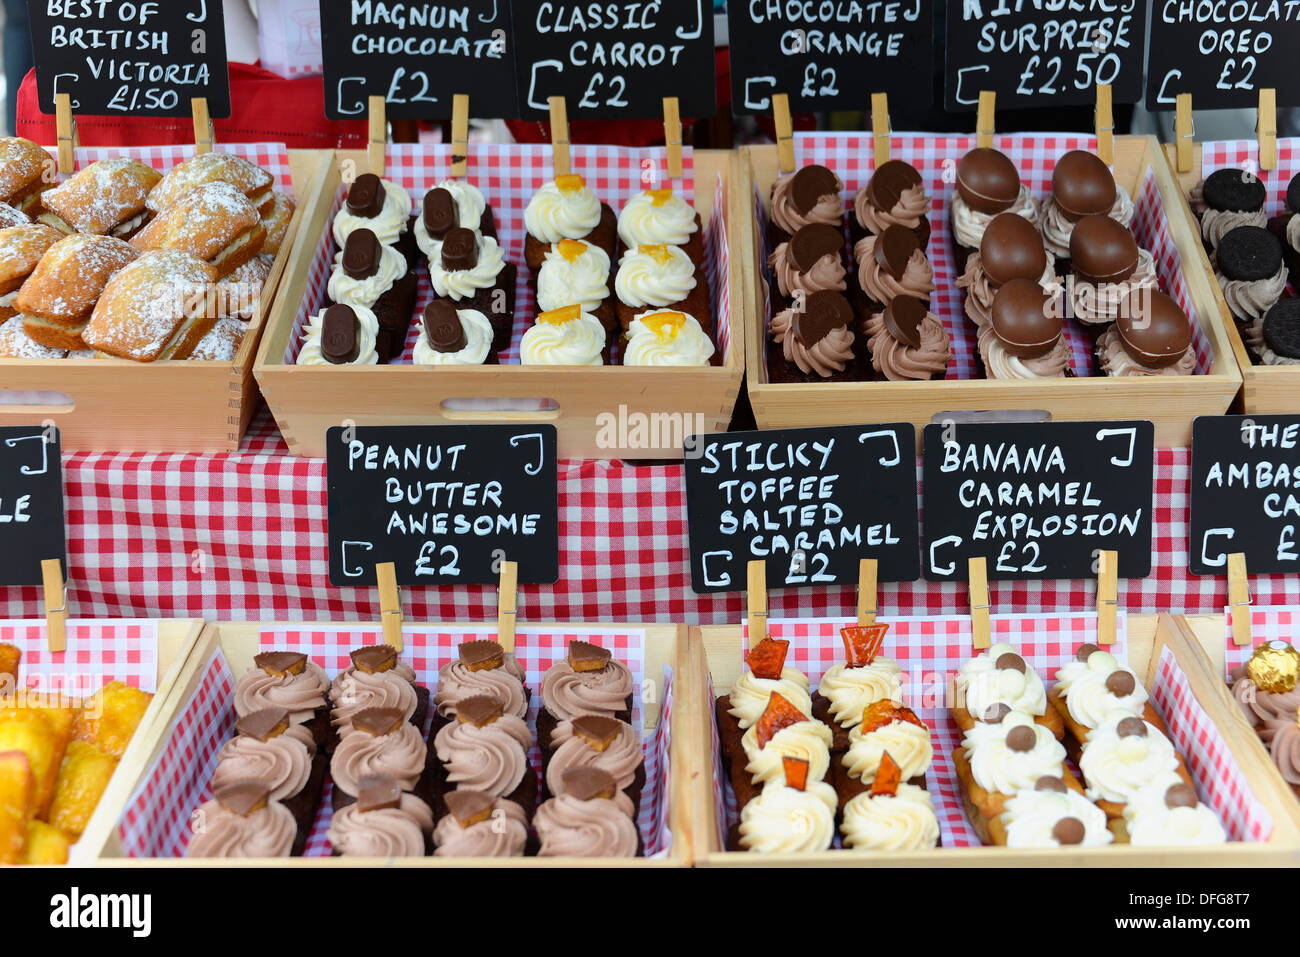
(1043, 54)
(446, 504)
(31, 503)
(131, 57)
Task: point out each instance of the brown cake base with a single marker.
(696, 305)
(780, 371)
(605, 235)
(303, 805)
(524, 795)
(547, 722)
(822, 712)
(394, 310)
(484, 300)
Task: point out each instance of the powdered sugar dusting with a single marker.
(15, 343)
(143, 305)
(203, 222)
(208, 168)
(71, 275)
(103, 195)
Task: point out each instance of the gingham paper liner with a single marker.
(1277, 623)
(931, 650)
(509, 176)
(97, 652)
(157, 819)
(272, 157)
(851, 156)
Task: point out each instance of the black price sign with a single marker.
(1037, 500)
(417, 56)
(615, 60)
(446, 504)
(1043, 54)
(829, 56)
(1245, 493)
(809, 502)
(1222, 53)
(31, 504)
(131, 57)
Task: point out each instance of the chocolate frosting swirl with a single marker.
(1097, 304)
(569, 827)
(567, 693)
(1259, 707)
(1250, 299)
(1115, 360)
(1217, 223)
(1000, 364)
(1283, 741)
(400, 755)
(269, 832)
(503, 685)
(917, 280)
(829, 209)
(385, 832)
(911, 208)
(503, 834)
(282, 763)
(621, 758)
(826, 274)
(356, 690)
(824, 358)
(491, 759)
(897, 361)
(299, 694)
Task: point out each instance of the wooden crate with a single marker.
(1148, 635)
(665, 645)
(1170, 402)
(163, 406)
(308, 400)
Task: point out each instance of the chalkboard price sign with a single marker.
(810, 502)
(1222, 53)
(1037, 500)
(829, 56)
(615, 60)
(131, 57)
(417, 56)
(1245, 493)
(446, 504)
(1043, 54)
(31, 503)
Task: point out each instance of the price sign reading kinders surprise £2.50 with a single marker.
(446, 504)
(31, 503)
(136, 57)
(1037, 500)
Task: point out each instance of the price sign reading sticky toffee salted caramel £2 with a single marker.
(810, 502)
(1037, 500)
(31, 503)
(446, 504)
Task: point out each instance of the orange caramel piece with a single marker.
(558, 317)
(778, 714)
(658, 197)
(881, 713)
(796, 772)
(767, 658)
(571, 249)
(658, 252)
(666, 325)
(570, 183)
(862, 643)
(888, 778)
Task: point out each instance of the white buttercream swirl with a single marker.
(691, 346)
(807, 740)
(901, 822)
(1082, 685)
(980, 684)
(578, 342)
(342, 288)
(310, 355)
(851, 691)
(478, 343)
(782, 820)
(750, 694)
(465, 283)
(1031, 816)
(554, 214)
(470, 206)
(999, 769)
(584, 281)
(643, 223)
(1152, 823)
(908, 744)
(1115, 767)
(643, 280)
(388, 226)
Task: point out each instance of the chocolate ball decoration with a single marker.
(1026, 319)
(1082, 185)
(1102, 250)
(1012, 249)
(987, 180)
(1154, 331)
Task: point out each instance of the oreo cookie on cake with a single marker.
(1280, 334)
(1226, 199)
(1248, 265)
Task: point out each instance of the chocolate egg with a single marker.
(1026, 319)
(1102, 250)
(1012, 249)
(1082, 185)
(1155, 332)
(987, 180)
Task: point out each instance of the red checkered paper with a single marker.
(1278, 623)
(272, 157)
(157, 820)
(97, 652)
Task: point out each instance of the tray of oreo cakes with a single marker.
(953, 274)
(512, 284)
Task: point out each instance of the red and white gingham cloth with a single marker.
(157, 819)
(1278, 623)
(851, 156)
(97, 652)
(272, 157)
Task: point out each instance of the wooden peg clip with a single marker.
(1105, 122)
(784, 131)
(377, 152)
(1266, 128)
(1107, 597)
(390, 604)
(673, 136)
(508, 605)
(880, 128)
(459, 135)
(1239, 598)
(867, 577)
(1184, 131)
(560, 135)
(66, 130)
(981, 629)
(757, 602)
(204, 134)
(56, 605)
(984, 119)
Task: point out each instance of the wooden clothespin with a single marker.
(880, 129)
(757, 601)
(390, 604)
(1105, 122)
(867, 576)
(508, 605)
(377, 152)
(66, 130)
(981, 629)
(673, 136)
(1107, 597)
(459, 135)
(1239, 598)
(784, 132)
(204, 134)
(56, 605)
(1266, 128)
(984, 119)
(1184, 132)
(560, 135)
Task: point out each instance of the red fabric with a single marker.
(265, 108)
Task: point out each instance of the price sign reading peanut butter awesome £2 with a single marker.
(130, 57)
(615, 60)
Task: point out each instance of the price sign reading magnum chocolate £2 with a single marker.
(1037, 500)
(446, 504)
(615, 60)
(810, 502)
(31, 503)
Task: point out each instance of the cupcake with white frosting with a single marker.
(564, 337)
(660, 277)
(340, 335)
(1167, 813)
(376, 204)
(566, 208)
(1121, 756)
(452, 203)
(470, 270)
(576, 272)
(903, 821)
(661, 217)
(1050, 814)
(666, 338)
(454, 337)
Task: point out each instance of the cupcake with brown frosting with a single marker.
(1024, 338)
(480, 668)
(480, 825)
(241, 820)
(292, 681)
(812, 261)
(908, 342)
(817, 344)
(892, 264)
(485, 750)
(385, 822)
(377, 679)
(988, 185)
(1151, 337)
(1109, 267)
(894, 196)
(587, 681)
(1082, 185)
(379, 741)
(1265, 687)
(590, 818)
(1010, 248)
(809, 195)
(593, 741)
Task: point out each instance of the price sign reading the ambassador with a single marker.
(446, 504)
(615, 60)
(829, 56)
(120, 57)
(31, 503)
(1037, 500)
(810, 502)
(1043, 54)
(417, 56)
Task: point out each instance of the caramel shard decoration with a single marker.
(778, 715)
(796, 772)
(469, 807)
(374, 659)
(881, 713)
(767, 658)
(862, 643)
(888, 778)
(479, 710)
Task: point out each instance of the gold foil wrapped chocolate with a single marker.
(1274, 667)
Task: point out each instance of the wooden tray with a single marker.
(308, 400)
(665, 645)
(1148, 635)
(1170, 402)
(163, 406)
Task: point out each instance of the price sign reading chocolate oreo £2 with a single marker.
(446, 504)
(146, 58)
(417, 56)
(1037, 500)
(615, 60)
(810, 502)
(31, 503)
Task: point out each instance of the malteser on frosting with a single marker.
(1154, 819)
(1083, 686)
(1031, 818)
(1116, 765)
(982, 684)
(999, 767)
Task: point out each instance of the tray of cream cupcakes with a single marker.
(929, 274)
(581, 287)
(1019, 740)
